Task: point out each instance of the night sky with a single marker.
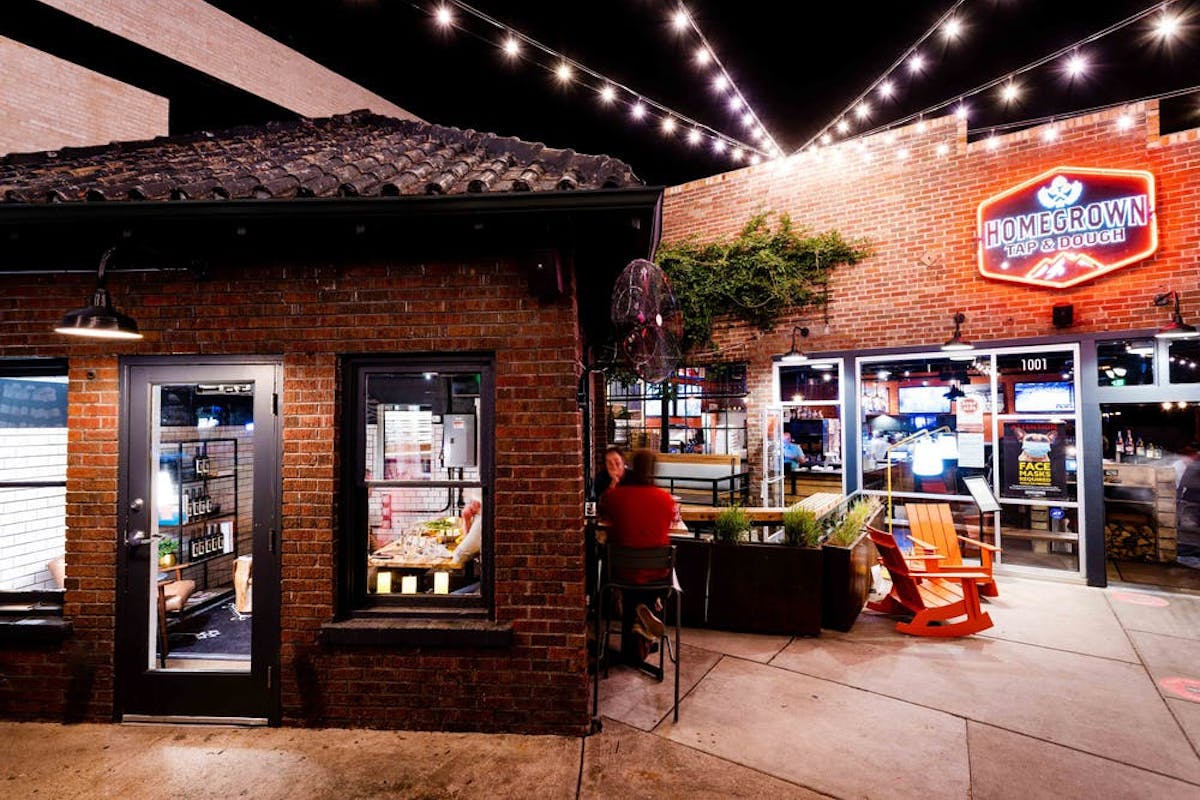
(798, 63)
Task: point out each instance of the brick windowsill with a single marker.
(36, 629)
(417, 632)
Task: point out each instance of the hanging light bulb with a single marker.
(916, 62)
(512, 48)
(563, 72)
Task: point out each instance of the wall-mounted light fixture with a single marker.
(796, 356)
(956, 342)
(1176, 328)
(100, 320)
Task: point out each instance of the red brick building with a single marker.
(401, 292)
(914, 195)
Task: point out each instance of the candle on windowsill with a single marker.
(383, 583)
(441, 583)
(408, 584)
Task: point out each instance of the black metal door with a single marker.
(198, 575)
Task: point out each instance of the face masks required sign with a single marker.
(1034, 459)
(1068, 225)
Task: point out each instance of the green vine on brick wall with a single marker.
(756, 277)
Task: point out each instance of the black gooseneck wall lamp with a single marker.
(100, 320)
(1176, 328)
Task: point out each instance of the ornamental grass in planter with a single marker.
(847, 556)
(761, 588)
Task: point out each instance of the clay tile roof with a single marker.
(357, 154)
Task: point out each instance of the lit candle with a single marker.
(408, 584)
(383, 583)
(441, 583)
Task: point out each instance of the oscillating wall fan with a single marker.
(647, 321)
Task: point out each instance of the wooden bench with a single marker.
(696, 478)
(932, 599)
(931, 527)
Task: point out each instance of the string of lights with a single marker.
(722, 81)
(916, 63)
(1076, 64)
(640, 107)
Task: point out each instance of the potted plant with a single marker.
(847, 556)
(731, 525)
(802, 528)
(761, 588)
(167, 550)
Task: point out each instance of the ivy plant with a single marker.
(756, 277)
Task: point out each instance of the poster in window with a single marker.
(1034, 460)
(969, 425)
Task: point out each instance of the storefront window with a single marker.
(33, 476)
(1183, 356)
(699, 410)
(910, 409)
(1125, 362)
(811, 434)
(929, 422)
(422, 525)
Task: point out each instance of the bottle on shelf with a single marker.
(1129, 444)
(1140, 449)
(1119, 448)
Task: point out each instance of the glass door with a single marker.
(199, 621)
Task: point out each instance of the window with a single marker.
(810, 443)
(910, 421)
(705, 411)
(33, 475)
(1125, 362)
(1182, 357)
(419, 458)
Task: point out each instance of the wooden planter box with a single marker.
(765, 588)
(845, 582)
(691, 568)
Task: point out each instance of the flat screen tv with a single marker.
(923, 400)
(1032, 398)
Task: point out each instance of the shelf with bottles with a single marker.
(197, 497)
(1131, 448)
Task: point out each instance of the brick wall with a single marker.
(207, 39)
(31, 518)
(51, 103)
(919, 215)
(311, 315)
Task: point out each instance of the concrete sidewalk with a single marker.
(1076, 692)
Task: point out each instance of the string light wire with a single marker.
(670, 118)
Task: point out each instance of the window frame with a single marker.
(354, 595)
(26, 368)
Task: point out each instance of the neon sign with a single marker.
(1067, 226)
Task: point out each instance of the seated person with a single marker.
(793, 455)
(472, 541)
(615, 470)
(639, 514)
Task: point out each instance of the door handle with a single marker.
(136, 504)
(136, 537)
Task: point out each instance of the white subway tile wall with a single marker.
(32, 519)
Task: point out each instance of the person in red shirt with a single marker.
(639, 514)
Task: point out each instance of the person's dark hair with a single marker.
(615, 448)
(642, 468)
